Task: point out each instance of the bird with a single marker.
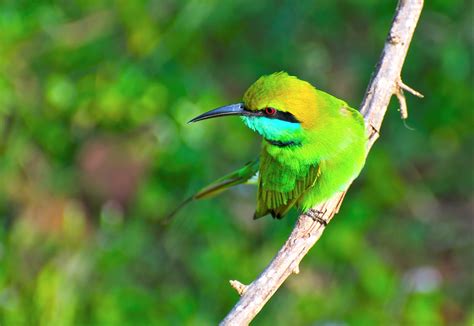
(313, 145)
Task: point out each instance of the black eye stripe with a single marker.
(286, 116)
(280, 115)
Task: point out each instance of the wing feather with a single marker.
(280, 186)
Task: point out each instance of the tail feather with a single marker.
(241, 176)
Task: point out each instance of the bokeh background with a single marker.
(95, 149)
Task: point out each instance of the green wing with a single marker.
(280, 187)
(247, 174)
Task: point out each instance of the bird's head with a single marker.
(279, 107)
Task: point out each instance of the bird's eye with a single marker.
(270, 111)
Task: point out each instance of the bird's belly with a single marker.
(335, 176)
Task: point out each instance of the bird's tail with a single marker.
(246, 175)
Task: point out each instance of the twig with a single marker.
(400, 87)
(239, 287)
(385, 83)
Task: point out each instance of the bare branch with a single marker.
(385, 83)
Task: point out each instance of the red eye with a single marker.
(270, 111)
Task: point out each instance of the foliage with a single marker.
(94, 150)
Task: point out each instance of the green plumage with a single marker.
(279, 187)
(313, 144)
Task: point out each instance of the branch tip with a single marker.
(239, 287)
(400, 86)
(296, 270)
(410, 90)
(403, 102)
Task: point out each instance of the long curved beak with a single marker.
(233, 109)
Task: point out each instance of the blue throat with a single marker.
(277, 132)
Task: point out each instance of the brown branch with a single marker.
(385, 83)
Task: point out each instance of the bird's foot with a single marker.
(317, 216)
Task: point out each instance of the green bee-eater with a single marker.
(313, 144)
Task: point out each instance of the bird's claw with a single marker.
(317, 216)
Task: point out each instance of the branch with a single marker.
(385, 83)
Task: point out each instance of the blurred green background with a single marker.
(95, 149)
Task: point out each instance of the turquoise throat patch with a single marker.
(275, 131)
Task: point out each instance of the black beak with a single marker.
(233, 109)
